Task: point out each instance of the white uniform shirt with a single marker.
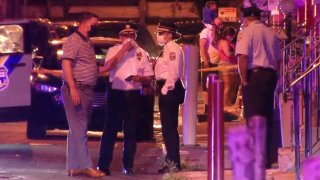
(135, 62)
(213, 52)
(260, 44)
(169, 66)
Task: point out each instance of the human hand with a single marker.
(205, 65)
(136, 79)
(164, 91)
(129, 44)
(244, 83)
(75, 96)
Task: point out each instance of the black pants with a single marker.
(169, 109)
(258, 99)
(122, 114)
(145, 122)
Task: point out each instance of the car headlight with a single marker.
(45, 88)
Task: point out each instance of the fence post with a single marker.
(215, 129)
(297, 130)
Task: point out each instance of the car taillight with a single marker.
(45, 88)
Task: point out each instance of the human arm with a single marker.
(69, 56)
(68, 76)
(174, 69)
(242, 66)
(110, 63)
(146, 74)
(204, 44)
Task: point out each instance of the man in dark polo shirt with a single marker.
(80, 72)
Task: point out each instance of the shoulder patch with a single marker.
(139, 55)
(172, 56)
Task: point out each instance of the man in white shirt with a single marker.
(123, 97)
(209, 52)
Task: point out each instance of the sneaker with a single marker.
(127, 172)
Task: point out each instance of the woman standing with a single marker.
(230, 78)
(168, 72)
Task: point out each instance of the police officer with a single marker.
(80, 72)
(168, 72)
(259, 55)
(126, 79)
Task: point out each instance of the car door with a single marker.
(15, 67)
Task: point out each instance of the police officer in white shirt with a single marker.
(168, 72)
(126, 79)
(259, 53)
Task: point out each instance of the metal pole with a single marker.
(142, 11)
(215, 129)
(297, 130)
(189, 116)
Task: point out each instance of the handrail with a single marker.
(301, 58)
(295, 40)
(309, 69)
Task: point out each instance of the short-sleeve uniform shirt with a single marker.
(80, 51)
(135, 62)
(260, 44)
(170, 65)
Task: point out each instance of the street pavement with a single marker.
(22, 158)
(25, 159)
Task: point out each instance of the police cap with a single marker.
(251, 12)
(129, 28)
(164, 26)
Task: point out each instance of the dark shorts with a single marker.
(258, 94)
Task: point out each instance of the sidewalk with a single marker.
(194, 158)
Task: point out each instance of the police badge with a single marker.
(172, 56)
(4, 80)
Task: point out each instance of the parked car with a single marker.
(19, 42)
(47, 110)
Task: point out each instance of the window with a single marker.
(11, 39)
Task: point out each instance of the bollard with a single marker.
(310, 168)
(189, 116)
(215, 129)
(241, 154)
